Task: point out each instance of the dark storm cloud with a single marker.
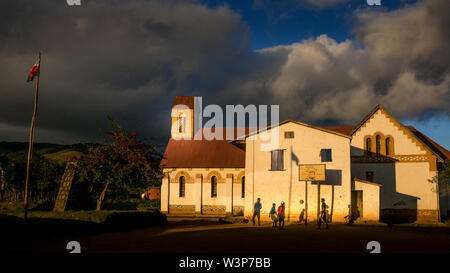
(128, 59)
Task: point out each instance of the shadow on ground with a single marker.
(15, 233)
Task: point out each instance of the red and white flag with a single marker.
(33, 72)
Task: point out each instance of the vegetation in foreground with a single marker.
(46, 226)
(107, 176)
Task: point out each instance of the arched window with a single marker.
(368, 146)
(243, 187)
(378, 144)
(214, 186)
(182, 124)
(182, 186)
(388, 146)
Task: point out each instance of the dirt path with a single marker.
(203, 236)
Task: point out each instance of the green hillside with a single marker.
(19, 150)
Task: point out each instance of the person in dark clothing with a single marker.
(257, 211)
(323, 214)
(302, 219)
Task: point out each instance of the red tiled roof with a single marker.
(444, 153)
(205, 153)
(346, 130)
(184, 100)
(236, 134)
(202, 154)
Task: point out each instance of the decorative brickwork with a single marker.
(397, 216)
(217, 174)
(391, 159)
(237, 209)
(207, 209)
(238, 178)
(182, 209)
(431, 156)
(188, 178)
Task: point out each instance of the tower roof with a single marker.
(184, 100)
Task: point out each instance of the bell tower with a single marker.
(184, 116)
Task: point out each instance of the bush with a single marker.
(118, 170)
(149, 204)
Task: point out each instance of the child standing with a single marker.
(281, 215)
(273, 215)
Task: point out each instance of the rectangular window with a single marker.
(289, 134)
(277, 161)
(325, 154)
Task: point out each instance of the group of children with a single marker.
(278, 215)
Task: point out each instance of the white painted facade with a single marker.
(399, 185)
(304, 148)
(405, 181)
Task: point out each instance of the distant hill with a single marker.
(12, 147)
(19, 150)
(62, 156)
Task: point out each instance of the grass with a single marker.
(89, 215)
(109, 209)
(46, 226)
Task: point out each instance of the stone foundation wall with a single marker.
(238, 209)
(408, 215)
(207, 209)
(181, 209)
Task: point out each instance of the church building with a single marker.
(377, 170)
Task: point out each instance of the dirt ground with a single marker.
(209, 236)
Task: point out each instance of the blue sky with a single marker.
(281, 24)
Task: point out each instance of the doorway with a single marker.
(357, 204)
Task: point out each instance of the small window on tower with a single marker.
(182, 123)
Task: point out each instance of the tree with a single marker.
(442, 180)
(118, 168)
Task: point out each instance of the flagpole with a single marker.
(30, 142)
